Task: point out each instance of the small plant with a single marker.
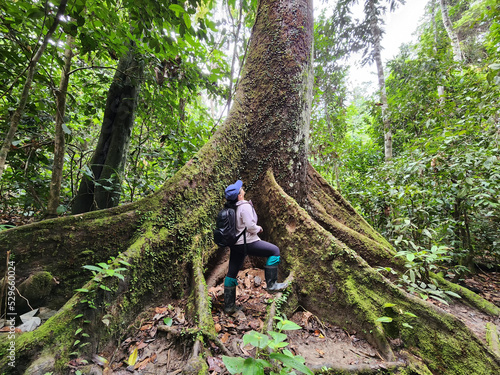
(401, 313)
(420, 263)
(268, 347)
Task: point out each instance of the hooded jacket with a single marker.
(246, 217)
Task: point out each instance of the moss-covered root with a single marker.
(273, 309)
(340, 287)
(469, 297)
(329, 209)
(58, 334)
(205, 319)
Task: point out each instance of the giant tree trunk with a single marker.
(103, 188)
(166, 237)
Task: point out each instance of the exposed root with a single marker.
(268, 325)
(356, 369)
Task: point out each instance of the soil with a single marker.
(320, 344)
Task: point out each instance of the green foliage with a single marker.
(172, 120)
(438, 200)
(268, 347)
(399, 317)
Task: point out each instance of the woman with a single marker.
(248, 244)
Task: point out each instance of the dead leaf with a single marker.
(141, 365)
(161, 310)
(142, 345)
(224, 338)
(215, 364)
(152, 333)
(146, 327)
(256, 325)
(217, 327)
(321, 353)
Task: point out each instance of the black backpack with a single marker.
(225, 233)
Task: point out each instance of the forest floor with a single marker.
(161, 341)
(153, 349)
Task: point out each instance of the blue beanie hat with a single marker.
(233, 190)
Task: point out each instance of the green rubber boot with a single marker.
(230, 306)
(271, 273)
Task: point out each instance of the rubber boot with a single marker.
(271, 273)
(230, 306)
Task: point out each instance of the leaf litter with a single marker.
(155, 347)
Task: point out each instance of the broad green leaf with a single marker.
(256, 339)
(388, 305)
(187, 20)
(168, 321)
(291, 362)
(92, 268)
(287, 325)
(277, 336)
(233, 364)
(384, 319)
(176, 8)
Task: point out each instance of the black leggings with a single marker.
(258, 248)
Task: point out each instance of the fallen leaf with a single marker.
(133, 357)
(224, 338)
(146, 327)
(161, 310)
(152, 333)
(98, 360)
(321, 353)
(217, 327)
(215, 364)
(141, 365)
(142, 345)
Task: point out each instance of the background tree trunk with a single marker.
(448, 25)
(103, 188)
(59, 144)
(377, 55)
(16, 117)
(166, 238)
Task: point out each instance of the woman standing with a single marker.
(248, 244)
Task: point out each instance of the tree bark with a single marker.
(448, 25)
(236, 34)
(167, 240)
(103, 188)
(440, 88)
(377, 35)
(59, 143)
(16, 117)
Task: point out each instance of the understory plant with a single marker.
(270, 353)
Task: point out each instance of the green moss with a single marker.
(469, 297)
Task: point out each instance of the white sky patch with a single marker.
(399, 27)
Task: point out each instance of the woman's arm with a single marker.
(249, 218)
